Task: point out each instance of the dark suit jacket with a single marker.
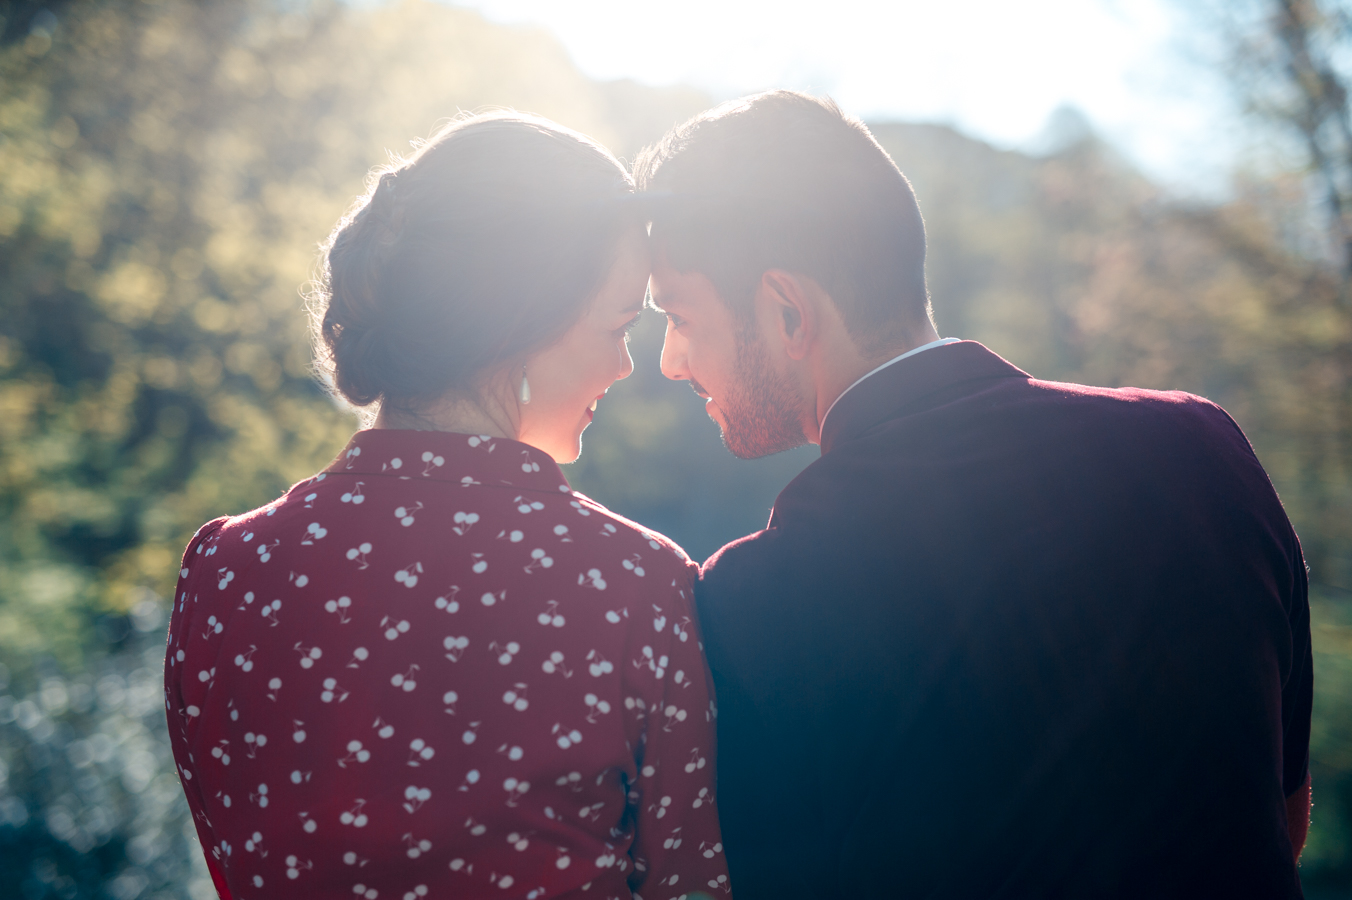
(1013, 638)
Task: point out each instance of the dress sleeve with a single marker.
(677, 848)
(175, 709)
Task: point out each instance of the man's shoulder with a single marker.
(1123, 400)
(1011, 414)
(755, 572)
(923, 451)
(1136, 419)
(923, 457)
(745, 549)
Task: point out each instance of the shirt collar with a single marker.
(896, 359)
(466, 459)
(928, 379)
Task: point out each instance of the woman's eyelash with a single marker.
(631, 324)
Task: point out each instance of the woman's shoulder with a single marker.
(224, 525)
(215, 539)
(432, 498)
(629, 531)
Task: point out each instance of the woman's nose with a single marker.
(626, 362)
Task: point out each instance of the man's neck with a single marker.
(842, 370)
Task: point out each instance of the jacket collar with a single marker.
(466, 459)
(895, 389)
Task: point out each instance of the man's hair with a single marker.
(782, 180)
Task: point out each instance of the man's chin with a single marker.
(715, 412)
(734, 439)
(755, 443)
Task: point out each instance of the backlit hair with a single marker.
(782, 180)
(482, 247)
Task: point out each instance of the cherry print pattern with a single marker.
(490, 686)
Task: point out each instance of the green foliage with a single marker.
(167, 171)
(1329, 853)
(166, 175)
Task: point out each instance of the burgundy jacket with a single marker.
(1013, 638)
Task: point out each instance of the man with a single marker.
(1005, 638)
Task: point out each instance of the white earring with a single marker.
(525, 386)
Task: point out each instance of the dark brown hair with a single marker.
(784, 180)
(483, 246)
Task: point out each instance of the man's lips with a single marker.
(709, 404)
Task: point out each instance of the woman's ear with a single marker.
(787, 301)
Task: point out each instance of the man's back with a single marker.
(1013, 638)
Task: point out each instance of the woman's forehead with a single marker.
(626, 284)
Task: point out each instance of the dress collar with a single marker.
(904, 382)
(449, 456)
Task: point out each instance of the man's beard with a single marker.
(763, 409)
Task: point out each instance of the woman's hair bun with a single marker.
(482, 247)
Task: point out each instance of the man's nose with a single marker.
(673, 363)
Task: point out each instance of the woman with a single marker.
(433, 670)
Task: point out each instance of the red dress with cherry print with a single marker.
(435, 671)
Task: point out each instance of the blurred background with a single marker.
(1152, 194)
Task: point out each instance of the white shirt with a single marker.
(896, 359)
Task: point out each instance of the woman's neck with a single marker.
(461, 416)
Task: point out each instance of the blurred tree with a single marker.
(90, 805)
(1287, 62)
(168, 171)
(21, 20)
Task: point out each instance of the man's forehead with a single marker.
(670, 289)
(658, 298)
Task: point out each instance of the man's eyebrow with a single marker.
(650, 301)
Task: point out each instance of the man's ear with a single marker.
(789, 303)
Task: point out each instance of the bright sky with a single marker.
(996, 69)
